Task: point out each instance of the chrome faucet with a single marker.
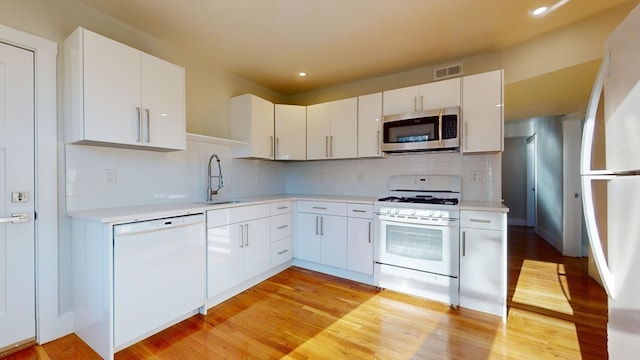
(210, 190)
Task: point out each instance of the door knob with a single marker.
(17, 218)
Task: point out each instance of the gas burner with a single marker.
(421, 200)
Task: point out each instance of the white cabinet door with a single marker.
(440, 94)
(343, 142)
(112, 112)
(224, 260)
(120, 96)
(360, 245)
(400, 101)
(481, 270)
(369, 125)
(318, 131)
(333, 234)
(252, 122)
(482, 103)
(257, 247)
(307, 243)
(163, 103)
(290, 132)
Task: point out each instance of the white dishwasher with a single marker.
(159, 278)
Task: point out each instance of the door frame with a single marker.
(571, 186)
(532, 182)
(49, 324)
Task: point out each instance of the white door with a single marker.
(531, 181)
(17, 278)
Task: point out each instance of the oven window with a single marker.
(412, 242)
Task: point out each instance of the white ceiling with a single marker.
(340, 41)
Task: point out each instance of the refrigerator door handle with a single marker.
(588, 175)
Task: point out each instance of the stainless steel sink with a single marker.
(221, 202)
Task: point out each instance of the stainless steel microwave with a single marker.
(437, 129)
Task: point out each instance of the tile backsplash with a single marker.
(99, 177)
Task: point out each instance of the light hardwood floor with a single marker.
(555, 312)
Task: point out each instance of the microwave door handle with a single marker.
(440, 127)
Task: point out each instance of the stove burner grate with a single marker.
(421, 200)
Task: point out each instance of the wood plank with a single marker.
(301, 314)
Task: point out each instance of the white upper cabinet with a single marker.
(439, 94)
(119, 96)
(290, 132)
(332, 130)
(369, 125)
(252, 122)
(482, 104)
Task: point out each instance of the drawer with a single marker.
(280, 226)
(281, 207)
(490, 220)
(363, 211)
(281, 251)
(236, 214)
(322, 208)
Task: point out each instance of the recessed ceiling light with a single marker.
(544, 10)
(302, 74)
(539, 11)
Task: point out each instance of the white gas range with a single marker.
(417, 230)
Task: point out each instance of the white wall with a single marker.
(148, 177)
(369, 177)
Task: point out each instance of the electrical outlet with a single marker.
(478, 177)
(109, 176)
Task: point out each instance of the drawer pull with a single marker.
(483, 221)
(320, 208)
(282, 207)
(283, 251)
(282, 227)
(359, 211)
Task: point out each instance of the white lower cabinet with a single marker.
(360, 238)
(483, 261)
(281, 232)
(321, 235)
(238, 246)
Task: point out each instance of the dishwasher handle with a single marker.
(146, 226)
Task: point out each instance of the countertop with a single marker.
(157, 211)
(484, 206)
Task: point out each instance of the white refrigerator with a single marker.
(617, 91)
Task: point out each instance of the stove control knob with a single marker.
(437, 213)
(396, 210)
(413, 211)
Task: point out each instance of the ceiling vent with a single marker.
(447, 71)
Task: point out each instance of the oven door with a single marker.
(411, 243)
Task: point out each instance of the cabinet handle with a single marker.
(415, 103)
(271, 141)
(282, 207)
(370, 231)
(283, 251)
(282, 227)
(464, 243)
(466, 132)
(440, 127)
(331, 145)
(241, 235)
(246, 235)
(326, 146)
(321, 226)
(277, 147)
(483, 221)
(148, 125)
(359, 211)
(378, 145)
(319, 208)
(139, 138)
(317, 225)
(421, 102)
